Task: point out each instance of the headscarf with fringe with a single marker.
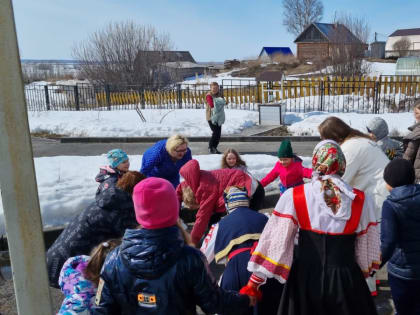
(329, 164)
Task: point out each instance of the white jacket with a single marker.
(365, 164)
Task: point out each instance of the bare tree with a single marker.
(123, 53)
(298, 14)
(348, 46)
(403, 45)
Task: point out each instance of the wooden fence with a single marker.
(366, 94)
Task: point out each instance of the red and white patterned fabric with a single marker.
(274, 253)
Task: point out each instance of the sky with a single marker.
(211, 30)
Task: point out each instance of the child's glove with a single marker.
(252, 287)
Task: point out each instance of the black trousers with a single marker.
(216, 133)
(257, 199)
(405, 294)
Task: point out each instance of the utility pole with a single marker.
(17, 180)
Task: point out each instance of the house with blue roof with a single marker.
(268, 53)
(318, 40)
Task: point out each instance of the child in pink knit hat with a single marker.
(154, 264)
(155, 203)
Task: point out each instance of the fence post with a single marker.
(258, 92)
(321, 95)
(76, 97)
(108, 96)
(178, 95)
(47, 97)
(142, 98)
(375, 101)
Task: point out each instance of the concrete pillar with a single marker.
(17, 179)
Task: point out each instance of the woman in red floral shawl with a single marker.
(338, 243)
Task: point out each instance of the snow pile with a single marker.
(126, 123)
(66, 184)
(306, 124)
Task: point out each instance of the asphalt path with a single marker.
(48, 147)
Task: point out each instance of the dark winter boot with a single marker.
(214, 151)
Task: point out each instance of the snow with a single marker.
(307, 123)
(382, 68)
(126, 123)
(376, 69)
(66, 184)
(225, 78)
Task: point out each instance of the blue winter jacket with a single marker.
(154, 272)
(157, 162)
(400, 232)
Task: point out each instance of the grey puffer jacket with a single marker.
(412, 152)
(392, 148)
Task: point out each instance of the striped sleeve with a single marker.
(274, 254)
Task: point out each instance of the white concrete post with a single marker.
(17, 179)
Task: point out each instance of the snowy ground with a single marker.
(375, 69)
(221, 78)
(307, 123)
(126, 123)
(66, 184)
(191, 122)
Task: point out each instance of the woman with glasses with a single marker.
(165, 158)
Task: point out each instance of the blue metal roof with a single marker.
(276, 50)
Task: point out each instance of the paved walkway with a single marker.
(48, 147)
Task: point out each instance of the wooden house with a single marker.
(318, 40)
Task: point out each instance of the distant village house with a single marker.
(317, 41)
(180, 64)
(403, 43)
(270, 53)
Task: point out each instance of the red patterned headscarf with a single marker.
(328, 160)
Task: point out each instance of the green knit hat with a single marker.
(285, 150)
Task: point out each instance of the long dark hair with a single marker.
(335, 129)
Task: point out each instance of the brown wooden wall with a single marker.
(312, 50)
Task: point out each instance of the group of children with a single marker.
(157, 270)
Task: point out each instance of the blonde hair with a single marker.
(239, 161)
(175, 141)
(97, 259)
(188, 197)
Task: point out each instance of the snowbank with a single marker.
(306, 124)
(66, 184)
(127, 123)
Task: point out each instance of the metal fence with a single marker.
(330, 94)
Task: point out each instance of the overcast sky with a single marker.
(211, 30)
